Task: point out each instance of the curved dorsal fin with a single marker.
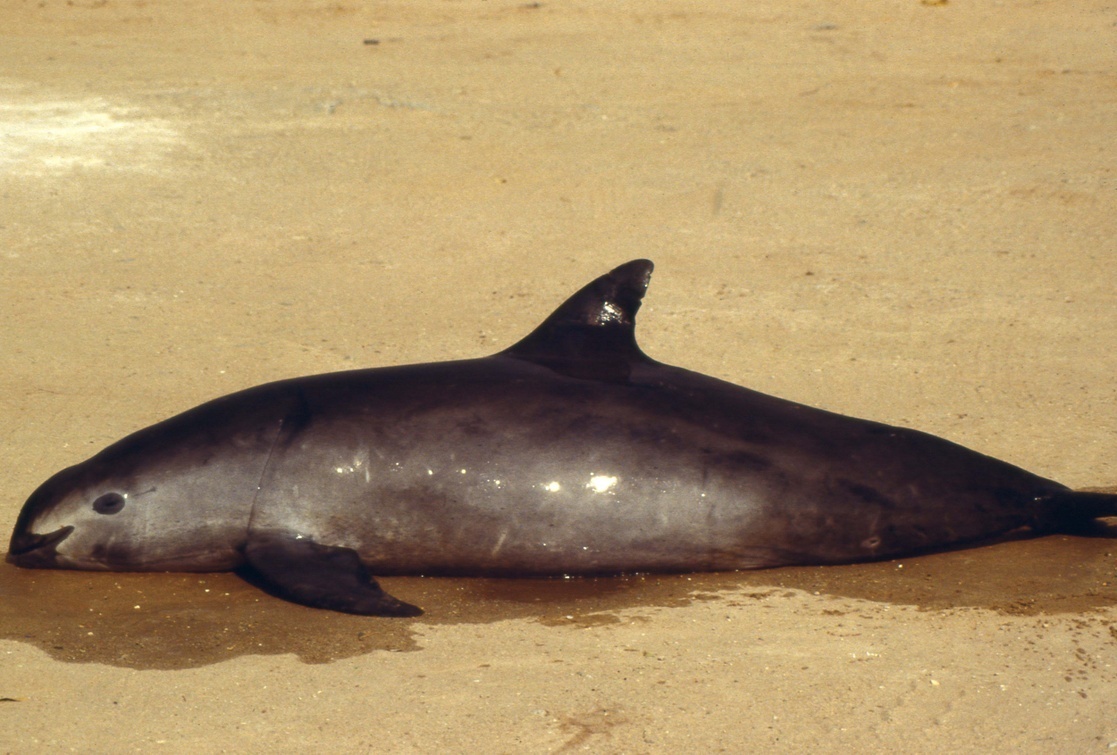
(593, 334)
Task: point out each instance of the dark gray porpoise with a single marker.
(569, 453)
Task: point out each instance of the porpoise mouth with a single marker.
(28, 549)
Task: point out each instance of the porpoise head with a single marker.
(175, 496)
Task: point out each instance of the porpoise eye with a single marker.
(109, 503)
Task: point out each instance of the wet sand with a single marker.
(905, 213)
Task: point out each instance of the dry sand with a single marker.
(903, 211)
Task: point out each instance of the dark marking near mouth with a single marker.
(27, 545)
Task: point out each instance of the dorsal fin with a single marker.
(593, 334)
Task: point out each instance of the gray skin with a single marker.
(569, 453)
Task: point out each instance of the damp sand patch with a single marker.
(59, 136)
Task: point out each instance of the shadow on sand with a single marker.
(167, 621)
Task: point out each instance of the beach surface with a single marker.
(904, 211)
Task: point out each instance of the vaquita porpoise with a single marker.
(570, 453)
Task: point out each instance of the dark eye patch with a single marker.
(109, 503)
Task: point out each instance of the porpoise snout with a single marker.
(36, 551)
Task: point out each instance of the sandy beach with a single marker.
(905, 212)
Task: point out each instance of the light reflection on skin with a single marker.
(359, 464)
(598, 483)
